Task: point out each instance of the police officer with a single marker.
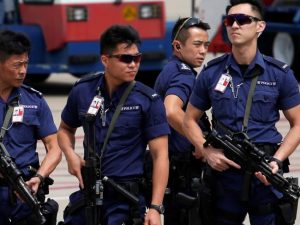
(175, 83)
(224, 85)
(31, 120)
(142, 121)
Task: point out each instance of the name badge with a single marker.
(18, 114)
(95, 105)
(223, 82)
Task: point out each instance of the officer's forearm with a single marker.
(66, 139)
(53, 156)
(160, 179)
(159, 152)
(289, 144)
(194, 133)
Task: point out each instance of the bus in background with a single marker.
(65, 33)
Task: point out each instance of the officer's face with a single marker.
(13, 70)
(194, 50)
(123, 64)
(243, 33)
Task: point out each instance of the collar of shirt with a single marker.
(257, 63)
(15, 92)
(116, 95)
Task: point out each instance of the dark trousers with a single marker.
(184, 177)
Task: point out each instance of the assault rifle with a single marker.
(92, 178)
(13, 176)
(93, 186)
(242, 151)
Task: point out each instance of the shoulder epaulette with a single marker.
(88, 77)
(31, 89)
(281, 65)
(149, 92)
(183, 68)
(216, 60)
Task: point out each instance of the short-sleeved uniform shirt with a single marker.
(276, 89)
(142, 119)
(176, 78)
(37, 122)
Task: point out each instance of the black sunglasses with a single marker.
(241, 19)
(190, 22)
(126, 58)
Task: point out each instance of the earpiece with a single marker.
(177, 46)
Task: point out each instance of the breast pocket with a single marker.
(129, 124)
(222, 104)
(26, 131)
(264, 106)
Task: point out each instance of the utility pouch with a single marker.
(287, 209)
(49, 210)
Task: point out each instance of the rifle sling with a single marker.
(247, 177)
(115, 116)
(7, 117)
(249, 102)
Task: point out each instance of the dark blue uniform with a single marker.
(142, 119)
(21, 140)
(178, 78)
(276, 89)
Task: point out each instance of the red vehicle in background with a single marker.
(65, 33)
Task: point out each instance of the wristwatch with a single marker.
(279, 162)
(42, 179)
(159, 208)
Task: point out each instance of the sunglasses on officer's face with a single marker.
(126, 58)
(241, 19)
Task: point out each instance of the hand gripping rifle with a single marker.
(242, 151)
(13, 176)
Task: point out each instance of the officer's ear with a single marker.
(177, 45)
(261, 25)
(104, 59)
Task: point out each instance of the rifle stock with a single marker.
(246, 154)
(13, 176)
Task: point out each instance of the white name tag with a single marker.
(223, 82)
(18, 114)
(95, 105)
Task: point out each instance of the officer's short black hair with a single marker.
(179, 31)
(13, 43)
(118, 34)
(257, 6)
